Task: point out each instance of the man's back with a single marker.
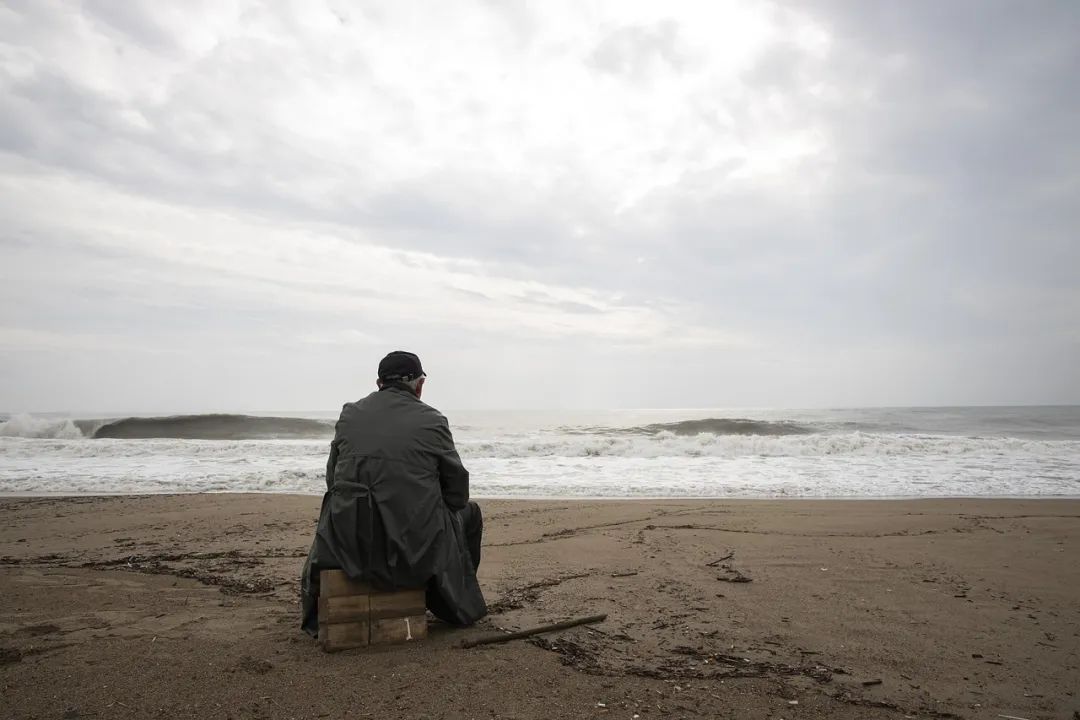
(396, 512)
(394, 444)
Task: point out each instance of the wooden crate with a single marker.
(353, 614)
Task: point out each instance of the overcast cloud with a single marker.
(234, 205)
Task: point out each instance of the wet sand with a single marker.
(185, 606)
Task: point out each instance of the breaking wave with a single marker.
(214, 427)
(667, 444)
(29, 426)
(180, 427)
(253, 427)
(726, 426)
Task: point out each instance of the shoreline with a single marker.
(184, 605)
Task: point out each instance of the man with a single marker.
(396, 512)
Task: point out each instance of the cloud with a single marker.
(176, 259)
(871, 192)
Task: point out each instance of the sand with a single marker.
(185, 606)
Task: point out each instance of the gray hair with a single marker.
(411, 384)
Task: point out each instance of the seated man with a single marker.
(396, 513)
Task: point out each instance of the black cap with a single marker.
(400, 365)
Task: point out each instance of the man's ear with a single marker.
(378, 383)
(420, 386)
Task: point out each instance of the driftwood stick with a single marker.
(507, 637)
(717, 561)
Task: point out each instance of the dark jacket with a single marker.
(389, 516)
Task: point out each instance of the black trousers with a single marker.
(472, 522)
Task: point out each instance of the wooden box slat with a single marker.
(335, 583)
(353, 608)
(398, 629)
(343, 636)
(404, 603)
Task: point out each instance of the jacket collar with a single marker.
(398, 387)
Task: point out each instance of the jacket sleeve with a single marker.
(331, 463)
(453, 477)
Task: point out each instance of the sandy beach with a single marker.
(186, 606)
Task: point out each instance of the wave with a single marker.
(567, 447)
(667, 444)
(704, 426)
(225, 426)
(29, 426)
(179, 427)
(726, 426)
(210, 427)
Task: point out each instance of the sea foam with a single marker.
(30, 426)
(863, 453)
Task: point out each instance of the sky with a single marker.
(229, 205)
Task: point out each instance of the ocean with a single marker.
(717, 453)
